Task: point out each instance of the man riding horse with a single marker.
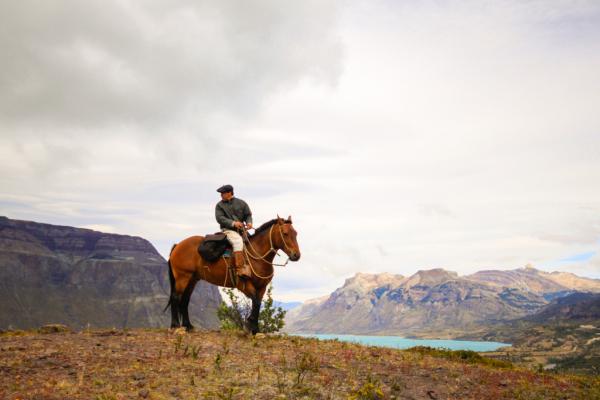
(233, 215)
(187, 265)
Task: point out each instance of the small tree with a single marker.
(233, 316)
(271, 319)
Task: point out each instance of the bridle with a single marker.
(272, 248)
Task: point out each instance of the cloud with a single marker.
(399, 135)
(156, 65)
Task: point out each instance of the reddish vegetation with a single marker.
(160, 364)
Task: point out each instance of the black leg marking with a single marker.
(253, 318)
(175, 305)
(185, 302)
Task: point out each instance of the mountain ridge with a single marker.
(432, 303)
(80, 277)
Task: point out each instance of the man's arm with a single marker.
(247, 214)
(222, 219)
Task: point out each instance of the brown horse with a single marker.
(187, 267)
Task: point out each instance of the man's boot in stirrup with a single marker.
(241, 268)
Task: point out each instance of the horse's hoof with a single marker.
(189, 328)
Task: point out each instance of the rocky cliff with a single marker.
(432, 302)
(81, 277)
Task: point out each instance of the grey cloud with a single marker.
(105, 63)
(585, 231)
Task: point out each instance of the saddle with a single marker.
(214, 246)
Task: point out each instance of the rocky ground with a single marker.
(163, 364)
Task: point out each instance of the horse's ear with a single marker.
(290, 219)
(279, 219)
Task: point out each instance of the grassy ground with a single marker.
(161, 364)
(572, 347)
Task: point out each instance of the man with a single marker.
(233, 215)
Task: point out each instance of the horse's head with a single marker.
(284, 238)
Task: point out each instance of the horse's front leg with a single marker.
(253, 317)
(252, 320)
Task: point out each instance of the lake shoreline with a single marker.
(401, 343)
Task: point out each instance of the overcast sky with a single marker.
(400, 135)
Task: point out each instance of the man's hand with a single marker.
(238, 224)
(248, 226)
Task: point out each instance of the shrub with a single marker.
(271, 319)
(305, 362)
(233, 316)
(468, 356)
(370, 390)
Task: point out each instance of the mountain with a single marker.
(579, 307)
(431, 303)
(73, 276)
(533, 280)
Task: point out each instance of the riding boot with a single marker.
(241, 267)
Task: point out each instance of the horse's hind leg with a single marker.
(185, 302)
(180, 299)
(174, 297)
(175, 305)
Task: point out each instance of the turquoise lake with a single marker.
(397, 342)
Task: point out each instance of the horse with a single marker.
(187, 267)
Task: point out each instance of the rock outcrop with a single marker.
(80, 277)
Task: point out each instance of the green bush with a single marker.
(233, 316)
(468, 356)
(271, 319)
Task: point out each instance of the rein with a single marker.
(256, 255)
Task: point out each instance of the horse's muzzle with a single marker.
(294, 256)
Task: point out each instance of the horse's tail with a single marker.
(171, 279)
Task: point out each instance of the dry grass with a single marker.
(161, 364)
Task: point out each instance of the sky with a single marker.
(399, 135)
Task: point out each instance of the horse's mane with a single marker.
(267, 225)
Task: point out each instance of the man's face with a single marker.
(226, 196)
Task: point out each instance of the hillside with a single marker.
(432, 303)
(564, 335)
(579, 307)
(161, 364)
(73, 276)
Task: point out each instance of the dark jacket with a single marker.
(235, 209)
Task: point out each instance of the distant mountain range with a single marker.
(287, 305)
(73, 276)
(433, 303)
